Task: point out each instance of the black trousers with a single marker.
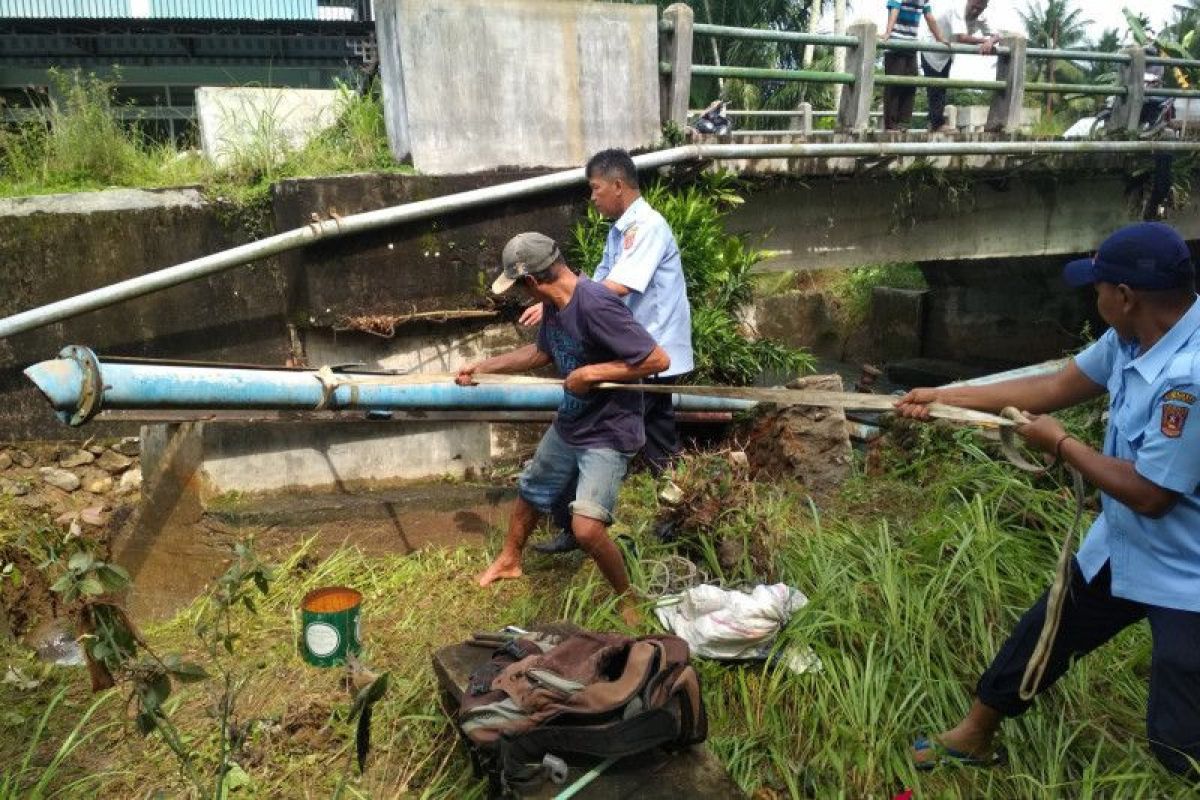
(898, 100)
(1092, 616)
(662, 436)
(937, 95)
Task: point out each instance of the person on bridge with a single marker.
(641, 264)
(904, 23)
(1141, 558)
(959, 24)
(591, 337)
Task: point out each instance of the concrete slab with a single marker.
(826, 223)
(472, 85)
(658, 775)
(262, 124)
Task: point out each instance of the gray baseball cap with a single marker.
(525, 254)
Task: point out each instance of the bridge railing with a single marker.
(860, 79)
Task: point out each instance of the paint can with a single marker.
(331, 625)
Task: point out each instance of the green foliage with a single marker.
(717, 267)
(32, 779)
(915, 573)
(117, 652)
(356, 142)
(852, 288)
(80, 141)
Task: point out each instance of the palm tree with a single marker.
(789, 15)
(1109, 42)
(1055, 26)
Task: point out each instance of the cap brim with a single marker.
(502, 284)
(1080, 273)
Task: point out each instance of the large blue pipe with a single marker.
(78, 385)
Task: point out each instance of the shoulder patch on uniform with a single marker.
(630, 237)
(1173, 420)
(1179, 396)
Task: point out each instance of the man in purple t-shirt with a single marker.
(591, 337)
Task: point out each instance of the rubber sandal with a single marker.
(948, 755)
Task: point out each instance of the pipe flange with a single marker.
(91, 388)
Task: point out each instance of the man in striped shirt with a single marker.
(904, 23)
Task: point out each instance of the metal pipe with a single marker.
(1164, 61)
(299, 237)
(1103, 89)
(764, 35)
(814, 114)
(440, 206)
(945, 83)
(78, 385)
(1076, 55)
(824, 39)
(762, 73)
(1184, 93)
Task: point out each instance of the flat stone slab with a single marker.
(657, 775)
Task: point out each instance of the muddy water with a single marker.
(174, 547)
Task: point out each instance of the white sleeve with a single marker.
(643, 247)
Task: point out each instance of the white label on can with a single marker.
(322, 639)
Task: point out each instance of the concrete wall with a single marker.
(828, 222)
(62, 245)
(470, 85)
(266, 123)
(57, 246)
(435, 265)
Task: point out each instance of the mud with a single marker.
(809, 445)
(173, 557)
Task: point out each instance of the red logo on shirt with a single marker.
(630, 236)
(1173, 420)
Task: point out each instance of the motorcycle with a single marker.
(1156, 118)
(713, 120)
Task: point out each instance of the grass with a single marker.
(78, 142)
(915, 574)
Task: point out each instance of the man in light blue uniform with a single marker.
(1141, 558)
(641, 264)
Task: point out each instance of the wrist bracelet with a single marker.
(1058, 445)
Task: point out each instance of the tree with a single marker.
(1109, 42)
(787, 15)
(1056, 26)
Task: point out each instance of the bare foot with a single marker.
(501, 569)
(629, 612)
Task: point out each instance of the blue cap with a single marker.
(1146, 255)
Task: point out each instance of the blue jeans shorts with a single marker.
(556, 465)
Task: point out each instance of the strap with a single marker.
(1040, 659)
(782, 397)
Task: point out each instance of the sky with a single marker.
(1003, 15)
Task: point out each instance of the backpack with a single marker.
(594, 694)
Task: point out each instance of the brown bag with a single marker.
(602, 695)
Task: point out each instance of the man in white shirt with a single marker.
(959, 24)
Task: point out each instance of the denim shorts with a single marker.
(556, 465)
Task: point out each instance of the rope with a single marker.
(671, 574)
(1031, 680)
